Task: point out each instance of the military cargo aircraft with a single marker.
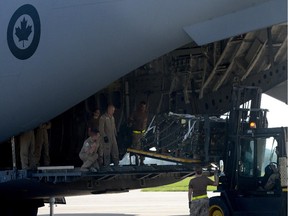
(60, 59)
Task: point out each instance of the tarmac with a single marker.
(133, 203)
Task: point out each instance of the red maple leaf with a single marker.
(23, 31)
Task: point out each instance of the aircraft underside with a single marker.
(50, 64)
(194, 80)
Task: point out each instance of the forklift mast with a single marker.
(245, 105)
(245, 110)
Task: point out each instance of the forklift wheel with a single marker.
(218, 207)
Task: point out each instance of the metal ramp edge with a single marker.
(164, 157)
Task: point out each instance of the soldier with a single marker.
(94, 121)
(108, 133)
(90, 152)
(27, 145)
(138, 121)
(199, 206)
(42, 142)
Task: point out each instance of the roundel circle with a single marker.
(23, 33)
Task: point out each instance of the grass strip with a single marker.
(181, 186)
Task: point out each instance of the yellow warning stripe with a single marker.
(139, 132)
(161, 156)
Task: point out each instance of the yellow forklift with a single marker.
(253, 179)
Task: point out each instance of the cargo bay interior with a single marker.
(195, 80)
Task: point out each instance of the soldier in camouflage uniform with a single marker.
(91, 152)
(138, 122)
(41, 141)
(108, 133)
(93, 122)
(27, 147)
(197, 195)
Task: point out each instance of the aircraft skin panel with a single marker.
(266, 14)
(86, 44)
(279, 92)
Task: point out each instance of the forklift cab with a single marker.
(254, 175)
(258, 163)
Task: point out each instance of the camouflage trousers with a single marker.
(136, 144)
(110, 150)
(27, 147)
(89, 161)
(199, 207)
(41, 142)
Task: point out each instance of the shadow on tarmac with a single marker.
(92, 214)
(99, 214)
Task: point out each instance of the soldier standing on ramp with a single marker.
(94, 121)
(42, 142)
(108, 133)
(138, 121)
(27, 145)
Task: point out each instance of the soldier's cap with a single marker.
(94, 130)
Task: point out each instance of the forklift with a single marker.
(253, 178)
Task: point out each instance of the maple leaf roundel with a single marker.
(23, 33)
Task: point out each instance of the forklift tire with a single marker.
(218, 207)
